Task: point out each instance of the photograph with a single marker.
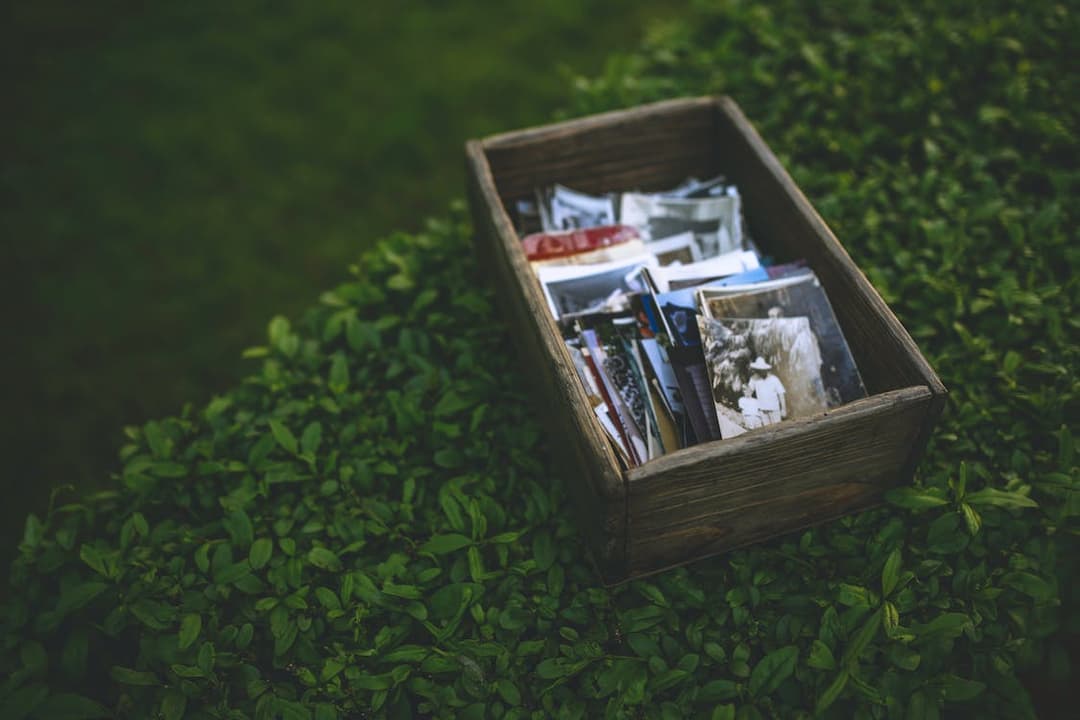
(616, 377)
(761, 371)
(681, 249)
(526, 216)
(708, 270)
(693, 377)
(715, 221)
(799, 295)
(694, 188)
(579, 289)
(564, 209)
(542, 246)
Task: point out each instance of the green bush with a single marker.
(368, 524)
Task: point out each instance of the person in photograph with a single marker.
(750, 408)
(769, 391)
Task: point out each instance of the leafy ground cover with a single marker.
(367, 524)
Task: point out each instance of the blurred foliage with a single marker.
(174, 173)
(367, 525)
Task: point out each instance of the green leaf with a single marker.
(331, 669)
(173, 704)
(723, 712)
(324, 559)
(1030, 584)
(890, 573)
(69, 706)
(443, 544)
(943, 627)
(261, 552)
(861, 640)
(327, 598)
(363, 681)
(971, 518)
(33, 531)
(1065, 448)
(543, 550)
(206, 658)
(127, 676)
(957, 689)
(772, 670)
(829, 695)
(508, 692)
(230, 574)
(853, 595)
(903, 657)
(190, 627)
(946, 536)
(448, 457)
(820, 656)
(97, 561)
(283, 436)
(238, 525)
(451, 403)
(311, 438)
(914, 499)
(338, 381)
(890, 618)
(959, 484)
(476, 565)
(717, 690)
(1000, 498)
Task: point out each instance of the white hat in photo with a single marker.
(760, 364)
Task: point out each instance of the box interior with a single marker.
(656, 150)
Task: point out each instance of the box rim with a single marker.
(794, 428)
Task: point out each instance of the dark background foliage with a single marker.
(367, 524)
(175, 173)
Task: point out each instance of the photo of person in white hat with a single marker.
(769, 391)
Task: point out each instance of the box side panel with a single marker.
(595, 482)
(714, 497)
(650, 147)
(789, 226)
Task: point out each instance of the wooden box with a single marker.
(713, 497)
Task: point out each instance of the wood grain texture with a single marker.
(714, 497)
(649, 147)
(729, 486)
(592, 473)
(680, 545)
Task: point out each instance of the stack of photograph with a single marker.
(681, 332)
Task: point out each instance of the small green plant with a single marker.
(367, 526)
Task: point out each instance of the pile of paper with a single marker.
(680, 332)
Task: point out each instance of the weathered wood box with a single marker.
(713, 497)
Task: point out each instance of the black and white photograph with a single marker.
(762, 371)
(694, 188)
(801, 295)
(579, 289)
(564, 209)
(681, 249)
(715, 221)
(708, 270)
